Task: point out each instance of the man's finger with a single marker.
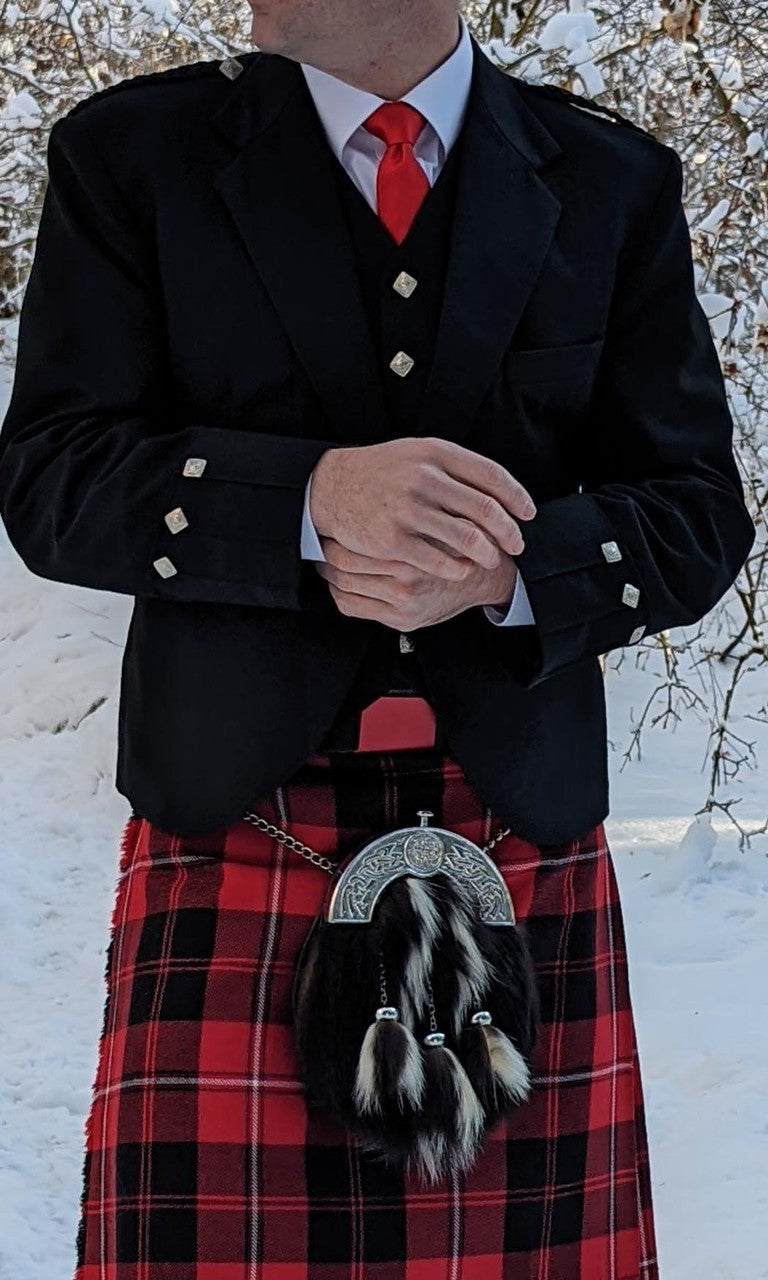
(378, 586)
(460, 535)
(365, 607)
(481, 509)
(354, 561)
(489, 476)
(418, 553)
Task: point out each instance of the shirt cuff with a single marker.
(519, 612)
(310, 542)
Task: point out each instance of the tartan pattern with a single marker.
(201, 1161)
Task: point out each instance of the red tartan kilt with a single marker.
(201, 1160)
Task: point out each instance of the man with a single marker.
(377, 377)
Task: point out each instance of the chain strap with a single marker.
(319, 859)
(285, 838)
(505, 831)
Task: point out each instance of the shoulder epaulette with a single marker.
(589, 105)
(229, 67)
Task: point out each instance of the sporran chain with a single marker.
(319, 859)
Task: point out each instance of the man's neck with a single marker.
(400, 64)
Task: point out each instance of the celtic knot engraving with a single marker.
(424, 851)
(419, 851)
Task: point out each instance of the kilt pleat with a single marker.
(201, 1160)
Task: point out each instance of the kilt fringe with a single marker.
(126, 850)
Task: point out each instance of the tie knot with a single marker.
(395, 122)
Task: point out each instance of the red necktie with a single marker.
(401, 183)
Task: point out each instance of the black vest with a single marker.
(398, 323)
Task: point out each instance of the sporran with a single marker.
(414, 997)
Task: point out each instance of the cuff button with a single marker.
(165, 567)
(176, 520)
(630, 595)
(194, 467)
(611, 551)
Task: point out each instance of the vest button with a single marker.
(401, 363)
(404, 284)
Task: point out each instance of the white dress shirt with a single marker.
(441, 97)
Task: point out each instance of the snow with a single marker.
(714, 217)
(21, 111)
(569, 31)
(573, 31)
(695, 907)
(717, 308)
(591, 76)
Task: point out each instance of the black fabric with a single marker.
(195, 294)
(396, 323)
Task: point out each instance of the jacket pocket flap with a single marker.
(545, 363)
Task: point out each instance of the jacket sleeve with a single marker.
(101, 485)
(658, 529)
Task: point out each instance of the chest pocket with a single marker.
(555, 381)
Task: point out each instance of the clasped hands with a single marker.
(416, 530)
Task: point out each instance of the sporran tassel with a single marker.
(389, 1071)
(498, 1071)
(451, 1122)
(496, 1052)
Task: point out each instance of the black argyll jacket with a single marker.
(194, 295)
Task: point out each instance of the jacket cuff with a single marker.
(230, 526)
(583, 586)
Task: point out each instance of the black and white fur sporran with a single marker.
(415, 1031)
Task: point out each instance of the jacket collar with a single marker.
(441, 97)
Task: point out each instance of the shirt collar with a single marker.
(441, 97)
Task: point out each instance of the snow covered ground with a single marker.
(695, 909)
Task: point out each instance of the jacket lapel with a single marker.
(504, 219)
(280, 190)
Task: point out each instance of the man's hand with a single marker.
(423, 502)
(406, 598)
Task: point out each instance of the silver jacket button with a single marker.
(176, 520)
(231, 68)
(611, 551)
(194, 467)
(165, 567)
(402, 363)
(630, 595)
(404, 284)
(637, 634)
